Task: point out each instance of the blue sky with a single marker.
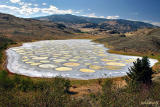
(141, 10)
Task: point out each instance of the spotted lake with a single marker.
(79, 59)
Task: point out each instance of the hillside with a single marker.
(117, 25)
(20, 29)
(142, 41)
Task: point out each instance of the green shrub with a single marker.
(61, 85)
(17, 80)
(5, 81)
(108, 95)
(56, 97)
(132, 86)
(25, 84)
(0, 57)
(41, 86)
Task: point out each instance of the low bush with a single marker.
(5, 82)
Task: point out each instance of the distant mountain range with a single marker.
(117, 25)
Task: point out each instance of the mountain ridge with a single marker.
(118, 25)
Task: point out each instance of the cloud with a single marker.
(30, 4)
(101, 17)
(152, 22)
(26, 10)
(9, 7)
(15, 1)
(44, 4)
(54, 10)
(112, 17)
(156, 23)
(147, 21)
(132, 19)
(35, 5)
(93, 15)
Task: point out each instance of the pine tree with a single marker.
(141, 72)
(147, 71)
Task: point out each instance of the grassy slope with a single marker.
(142, 41)
(19, 29)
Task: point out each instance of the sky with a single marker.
(136, 10)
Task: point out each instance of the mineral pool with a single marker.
(78, 59)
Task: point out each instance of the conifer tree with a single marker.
(141, 72)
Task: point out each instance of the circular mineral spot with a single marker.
(87, 70)
(71, 64)
(43, 55)
(56, 54)
(47, 66)
(113, 67)
(130, 60)
(34, 64)
(115, 64)
(73, 60)
(24, 57)
(107, 60)
(95, 67)
(15, 49)
(76, 58)
(29, 62)
(59, 60)
(116, 59)
(102, 55)
(63, 69)
(40, 58)
(44, 61)
(20, 51)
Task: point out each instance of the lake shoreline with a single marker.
(47, 77)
